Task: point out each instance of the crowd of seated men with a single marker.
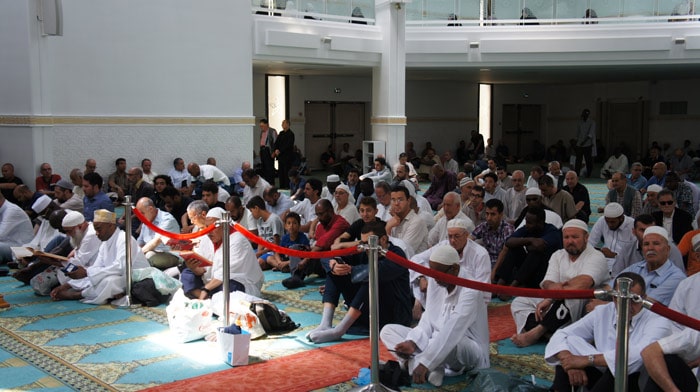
(484, 224)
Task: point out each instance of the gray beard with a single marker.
(77, 238)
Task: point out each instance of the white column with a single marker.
(389, 79)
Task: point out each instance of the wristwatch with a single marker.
(591, 359)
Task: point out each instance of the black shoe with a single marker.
(293, 282)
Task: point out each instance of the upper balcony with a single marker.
(483, 33)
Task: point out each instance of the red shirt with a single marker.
(325, 235)
(42, 185)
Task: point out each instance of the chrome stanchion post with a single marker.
(622, 351)
(226, 243)
(127, 234)
(373, 249)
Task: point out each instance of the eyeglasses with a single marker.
(532, 198)
(398, 200)
(666, 203)
(476, 195)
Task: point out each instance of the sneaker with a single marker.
(435, 377)
(293, 282)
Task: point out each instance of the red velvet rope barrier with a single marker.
(675, 316)
(513, 291)
(168, 234)
(294, 252)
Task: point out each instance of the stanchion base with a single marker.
(372, 387)
(124, 302)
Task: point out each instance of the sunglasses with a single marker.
(666, 203)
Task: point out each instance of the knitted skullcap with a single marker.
(72, 219)
(445, 255)
(613, 210)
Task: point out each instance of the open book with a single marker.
(190, 255)
(25, 251)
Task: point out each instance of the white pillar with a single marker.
(389, 79)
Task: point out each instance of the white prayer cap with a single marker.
(216, 212)
(656, 230)
(613, 210)
(41, 203)
(332, 178)
(105, 216)
(464, 181)
(654, 188)
(445, 255)
(343, 187)
(696, 242)
(577, 223)
(461, 223)
(411, 188)
(72, 219)
(533, 191)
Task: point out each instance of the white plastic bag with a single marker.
(239, 312)
(189, 319)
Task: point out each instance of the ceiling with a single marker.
(501, 74)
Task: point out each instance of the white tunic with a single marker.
(85, 254)
(306, 209)
(475, 263)
(106, 276)
(596, 333)
(43, 235)
(244, 267)
(591, 262)
(451, 319)
(15, 227)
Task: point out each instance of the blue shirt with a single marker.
(97, 202)
(638, 184)
(662, 282)
(287, 242)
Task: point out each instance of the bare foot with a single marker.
(524, 339)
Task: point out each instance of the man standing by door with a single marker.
(284, 152)
(267, 140)
(585, 140)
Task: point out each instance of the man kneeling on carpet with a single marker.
(453, 334)
(395, 299)
(104, 280)
(244, 274)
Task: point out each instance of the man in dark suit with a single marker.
(675, 220)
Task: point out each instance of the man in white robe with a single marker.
(452, 336)
(105, 279)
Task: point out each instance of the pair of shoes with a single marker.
(293, 282)
(435, 377)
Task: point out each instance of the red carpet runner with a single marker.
(312, 369)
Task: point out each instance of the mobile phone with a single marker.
(339, 261)
(69, 268)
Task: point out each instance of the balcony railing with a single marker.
(490, 12)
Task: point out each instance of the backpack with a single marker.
(272, 319)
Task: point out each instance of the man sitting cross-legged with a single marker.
(584, 352)
(394, 294)
(578, 266)
(104, 279)
(452, 336)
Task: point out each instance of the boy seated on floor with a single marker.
(293, 239)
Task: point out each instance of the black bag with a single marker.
(392, 376)
(272, 319)
(144, 292)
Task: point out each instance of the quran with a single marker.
(25, 251)
(190, 255)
